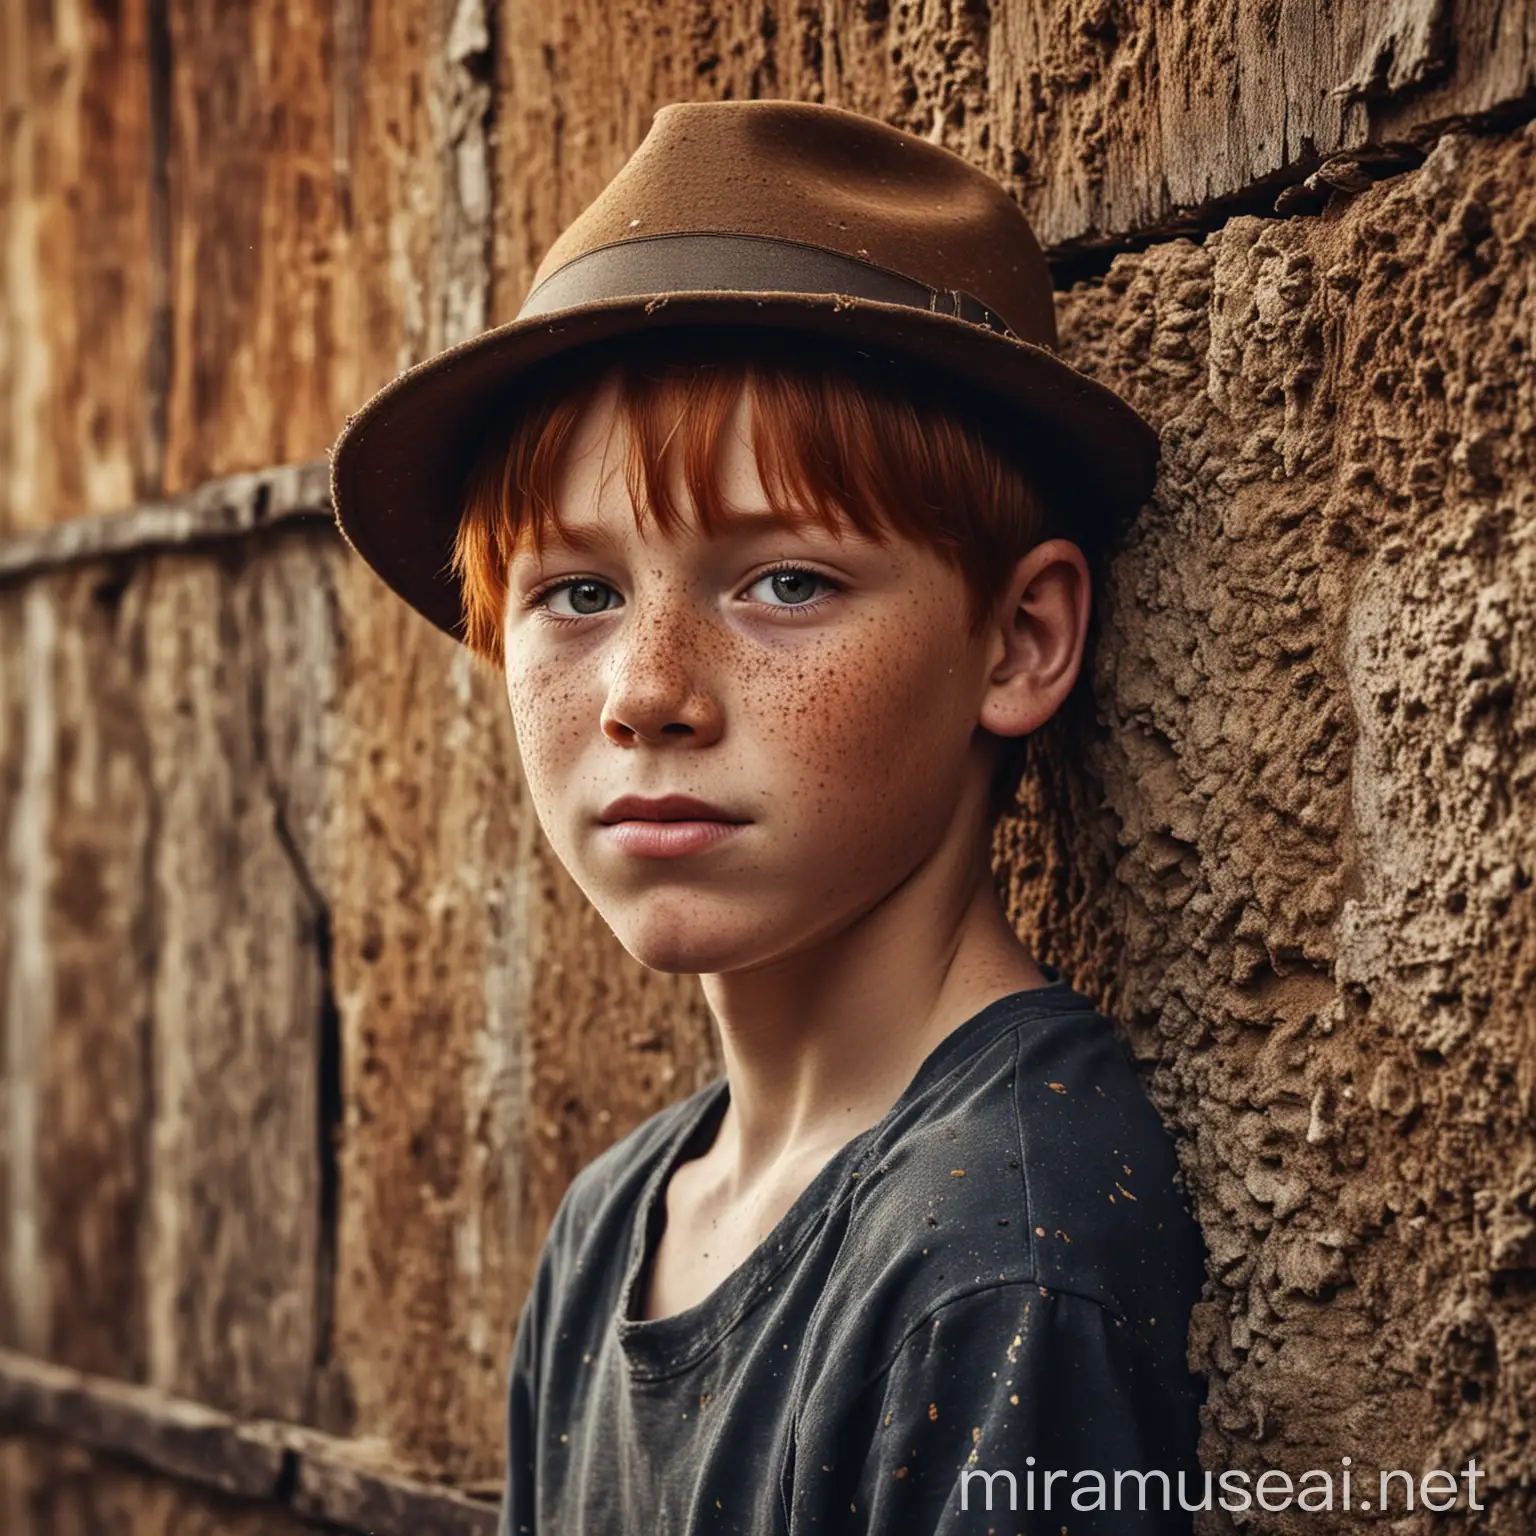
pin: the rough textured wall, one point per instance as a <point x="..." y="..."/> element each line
<point x="270" y="875"/>
<point x="1106" y="116"/>
<point x="1308" y="880"/>
<point x="317" y="209"/>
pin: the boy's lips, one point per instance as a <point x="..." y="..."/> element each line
<point x="664" y="808"/>
<point x="667" y="827"/>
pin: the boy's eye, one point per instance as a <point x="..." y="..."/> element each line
<point x="583" y="597"/>
<point x="788" y="588"/>
<point x="586" y="596"/>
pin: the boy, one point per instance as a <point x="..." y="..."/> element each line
<point x="776" y="508"/>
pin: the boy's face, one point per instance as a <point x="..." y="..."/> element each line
<point x="830" y="712"/>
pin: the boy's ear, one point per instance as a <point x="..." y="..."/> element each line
<point x="1037" y="635"/>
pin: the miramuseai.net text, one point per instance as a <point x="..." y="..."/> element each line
<point x="1320" y="1489"/>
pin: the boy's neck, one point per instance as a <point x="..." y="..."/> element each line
<point x="819" y="1046"/>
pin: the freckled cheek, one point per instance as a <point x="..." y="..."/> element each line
<point x="876" y="730"/>
<point x="844" y="710"/>
<point x="549" y="718"/>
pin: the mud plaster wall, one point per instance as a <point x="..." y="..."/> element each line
<point x="305" y="1032"/>
<point x="1305" y="885"/>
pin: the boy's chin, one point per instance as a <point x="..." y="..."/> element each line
<point x="688" y="944"/>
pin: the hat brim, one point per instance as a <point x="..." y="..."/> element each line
<point x="398" y="469"/>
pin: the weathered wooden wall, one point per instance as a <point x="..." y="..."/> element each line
<point x="305" y="1031"/>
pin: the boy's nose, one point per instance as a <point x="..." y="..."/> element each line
<point x="656" y="692"/>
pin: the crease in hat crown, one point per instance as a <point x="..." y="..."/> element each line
<point x="766" y="213"/>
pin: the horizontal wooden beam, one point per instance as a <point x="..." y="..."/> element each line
<point x="185" y="1439"/>
<point x="308" y="1473"/>
<point x="219" y="509"/>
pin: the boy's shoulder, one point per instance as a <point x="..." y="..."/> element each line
<point x="1037" y="1158"/>
<point x="1025" y="1152"/>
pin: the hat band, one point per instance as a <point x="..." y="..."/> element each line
<point x="658" y="265"/>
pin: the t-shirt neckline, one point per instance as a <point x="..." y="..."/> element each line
<point x="659" y="1347"/>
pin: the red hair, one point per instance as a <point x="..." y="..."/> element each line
<point x="841" y="435"/>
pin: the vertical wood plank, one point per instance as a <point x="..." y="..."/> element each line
<point x="76" y="314"/>
<point x="330" y="215"/>
<point x="93" y="1086"/>
<point x="29" y="984"/>
<point x="240" y="987"/>
<point x="431" y="825"/>
<point x="12" y="737"/>
<point x="252" y="230"/>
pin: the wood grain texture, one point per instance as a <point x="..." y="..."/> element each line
<point x="253" y="232"/>
<point x="77" y="281"/>
<point x="430" y="905"/>
<point x="329" y="216"/>
<point x="239" y="664"/>
<point x="77" y="963"/>
<point x="186" y="1440"/>
<point x="31" y="635"/>
<point x="17" y="1127"/>
<point x="372" y="1503"/>
<point x="218" y="509"/>
<point x="167" y="970"/>
<point x="93" y="1082"/>
<point x="231" y="834"/>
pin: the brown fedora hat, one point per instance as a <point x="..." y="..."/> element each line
<point x="779" y="214"/>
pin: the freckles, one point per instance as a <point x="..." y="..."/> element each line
<point x="546" y="708"/>
<point x="857" y="671"/>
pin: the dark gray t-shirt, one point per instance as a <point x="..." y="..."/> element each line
<point x="1001" y="1269"/>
